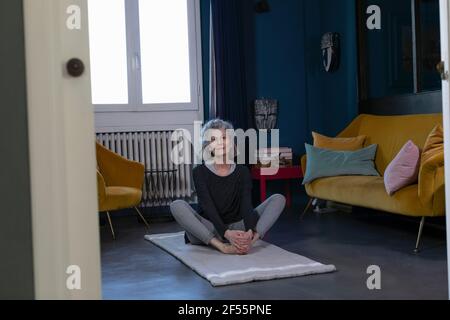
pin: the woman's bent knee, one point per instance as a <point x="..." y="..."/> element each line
<point x="178" y="207"/>
<point x="279" y="198"/>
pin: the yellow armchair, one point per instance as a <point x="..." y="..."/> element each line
<point x="119" y="183"/>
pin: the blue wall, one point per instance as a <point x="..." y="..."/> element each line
<point x="284" y="62"/>
<point x="280" y="67"/>
<point x="332" y="97"/>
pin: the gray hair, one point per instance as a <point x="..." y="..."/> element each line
<point x="216" y="124"/>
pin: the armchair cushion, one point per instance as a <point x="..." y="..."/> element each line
<point x="404" y="169"/>
<point x="121" y="198"/>
<point x="303" y="163"/>
<point x="338" y="144"/>
<point x="328" y="163"/>
<point x="434" y="143"/>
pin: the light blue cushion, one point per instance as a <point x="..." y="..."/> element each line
<point x="323" y="163"/>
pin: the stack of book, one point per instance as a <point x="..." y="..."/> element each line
<point x="267" y="156"/>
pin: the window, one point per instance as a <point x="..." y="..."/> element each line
<point x="144" y="55"/>
<point x="165" y="55"/>
<point x="107" y="34"/>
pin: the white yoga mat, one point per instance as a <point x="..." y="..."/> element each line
<point x="264" y="262"/>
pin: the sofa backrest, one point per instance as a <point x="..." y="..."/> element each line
<point x="391" y="133"/>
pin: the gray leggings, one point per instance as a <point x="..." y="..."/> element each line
<point x="201" y="231"/>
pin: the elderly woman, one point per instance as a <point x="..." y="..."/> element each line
<point x="226" y="220"/>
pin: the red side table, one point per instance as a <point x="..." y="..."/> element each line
<point x="288" y="174"/>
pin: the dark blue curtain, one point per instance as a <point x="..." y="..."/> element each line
<point x="227" y="28"/>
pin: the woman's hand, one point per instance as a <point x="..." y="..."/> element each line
<point x="253" y="238"/>
<point x="240" y="239"/>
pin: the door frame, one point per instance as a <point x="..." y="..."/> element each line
<point x="445" y="53"/>
<point x="62" y="153"/>
<point x="60" y="237"/>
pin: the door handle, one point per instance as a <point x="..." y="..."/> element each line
<point x="440" y="67"/>
<point x="75" y="67"/>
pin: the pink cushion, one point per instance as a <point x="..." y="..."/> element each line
<point x="404" y="169"/>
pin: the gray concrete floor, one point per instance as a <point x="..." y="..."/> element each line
<point x="135" y="269"/>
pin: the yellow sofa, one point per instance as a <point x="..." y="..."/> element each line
<point x="390" y="133"/>
<point x="119" y="183"/>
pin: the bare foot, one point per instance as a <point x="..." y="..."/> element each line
<point x="256" y="237"/>
<point x="229" y="249"/>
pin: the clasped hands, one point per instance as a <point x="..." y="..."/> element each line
<point x="241" y="240"/>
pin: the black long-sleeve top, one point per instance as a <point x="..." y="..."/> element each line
<point x="225" y="200"/>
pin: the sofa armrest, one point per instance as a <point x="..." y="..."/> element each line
<point x="432" y="183"/>
<point x="119" y="171"/>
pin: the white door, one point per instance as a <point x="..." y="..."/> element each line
<point x="445" y="45"/>
<point x="62" y="152"/>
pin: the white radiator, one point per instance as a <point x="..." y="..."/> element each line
<point x="164" y="181"/>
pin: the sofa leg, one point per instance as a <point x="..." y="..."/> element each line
<point x="110" y="225"/>
<point x="419" y="236"/>
<point x="308" y="206"/>
<point x="142" y="217"/>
